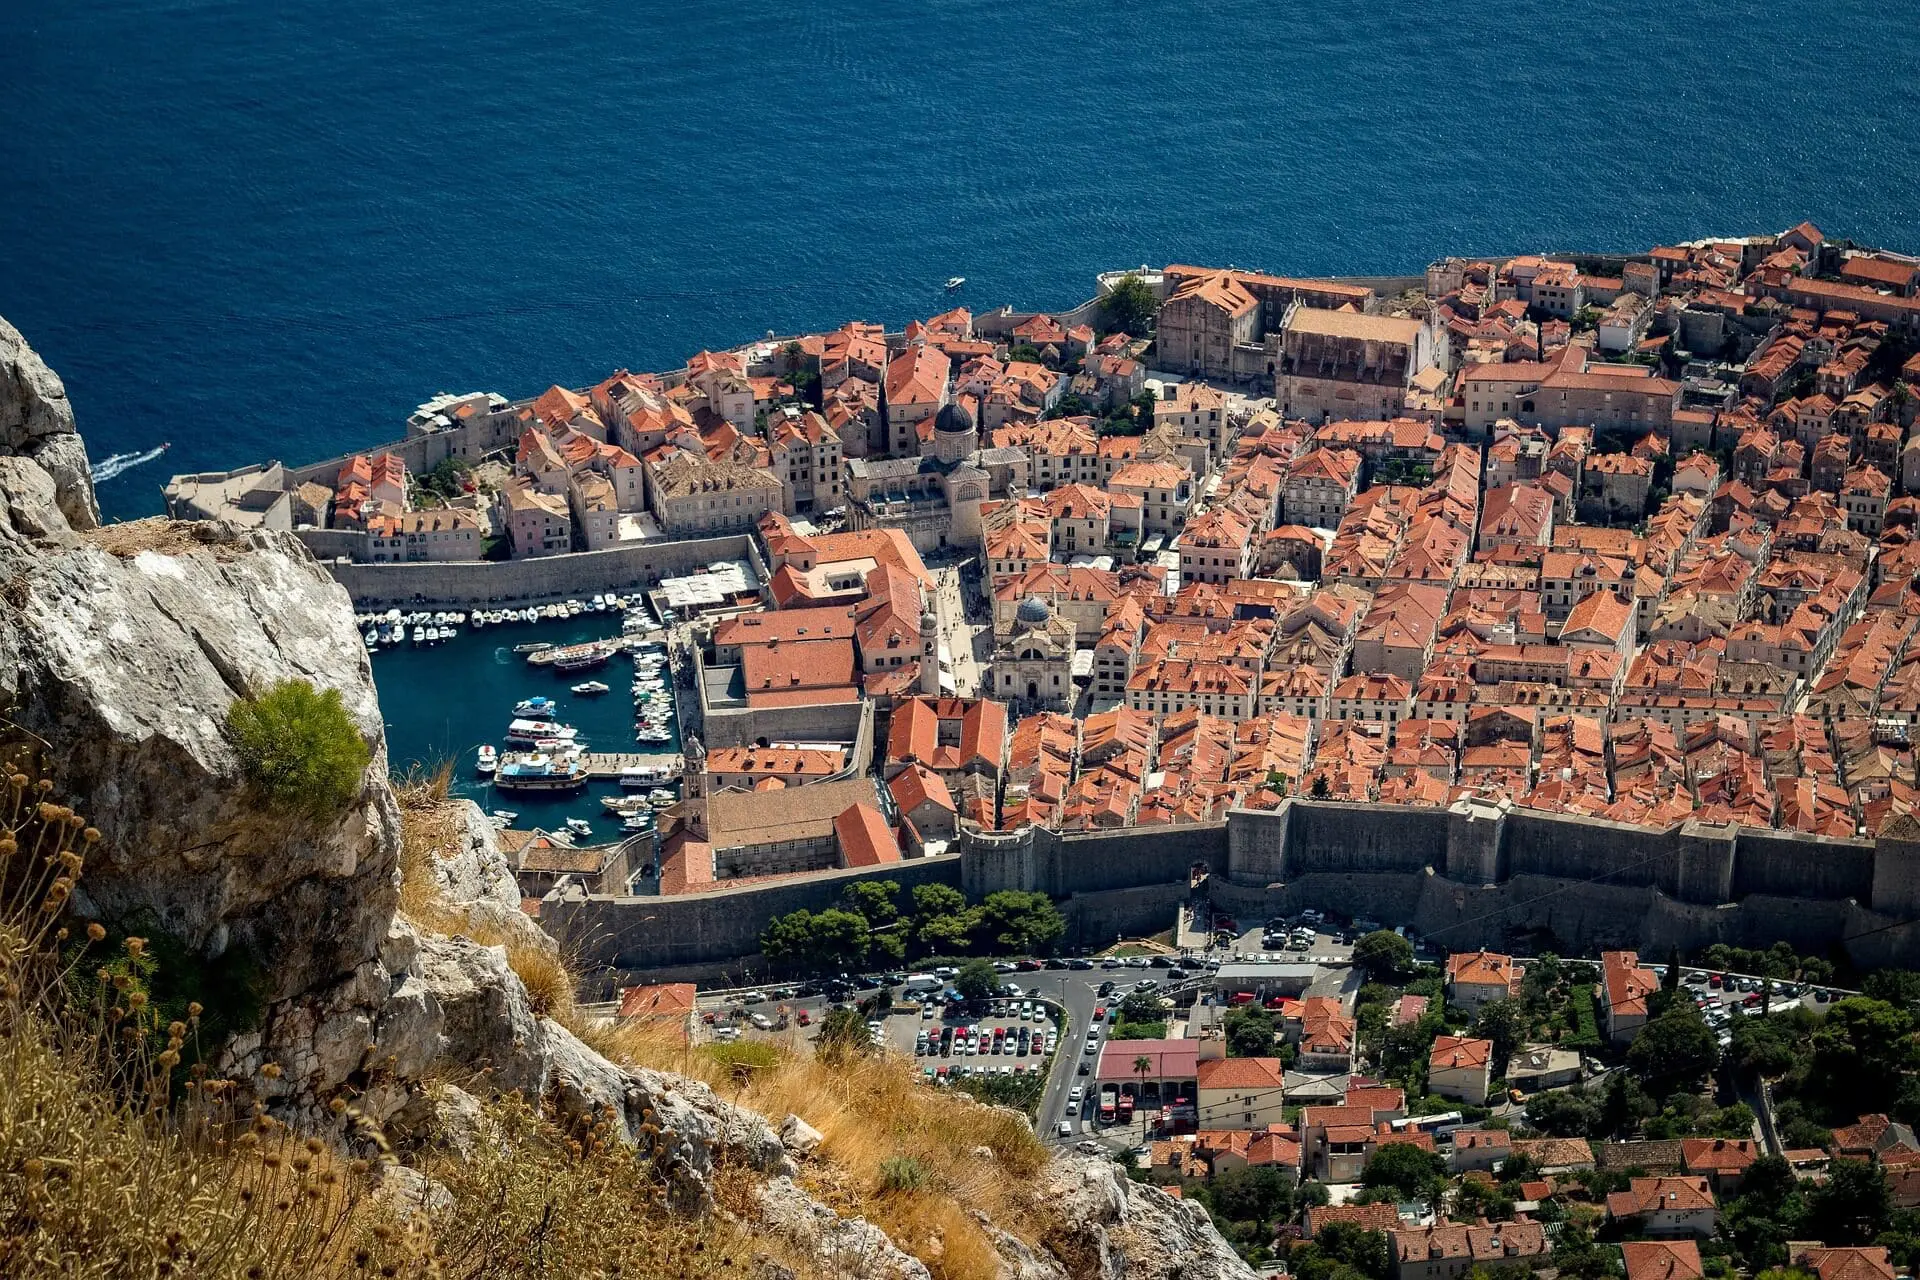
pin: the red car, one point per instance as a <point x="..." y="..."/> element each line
<point x="1100" y="1013"/>
<point x="805" y="1018"/>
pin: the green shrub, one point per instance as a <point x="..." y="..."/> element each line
<point x="902" y="1174"/>
<point x="299" y="748"/>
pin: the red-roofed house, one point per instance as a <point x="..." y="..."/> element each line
<point x="865" y="838"/>
<point x="1461" y="1068"/>
<point x="925" y="804"/>
<point x="1240" y="1093"/>
<point x="1475" y="978"/>
<point x="1661" y="1259"/>
<point x="1723" y="1160"/>
<point x="1624" y="987"/>
<point x="1680" y="1206"/>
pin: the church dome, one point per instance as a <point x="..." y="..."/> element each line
<point x="1033" y="611"/>
<point x="953" y="419"/>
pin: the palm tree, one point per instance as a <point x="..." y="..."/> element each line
<point x="1141" y="1066"/>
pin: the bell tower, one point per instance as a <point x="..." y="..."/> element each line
<point x="929" y="653"/>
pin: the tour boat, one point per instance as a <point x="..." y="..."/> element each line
<point x="623" y="805"/>
<point x="521" y="732"/>
<point x="536" y="708"/>
<point x="580" y="826"/>
<point x="486" y="759"/>
<point x="954" y="282"/>
<point x="539" y="773"/>
<point x="645" y="776"/>
<point x="590" y="688"/>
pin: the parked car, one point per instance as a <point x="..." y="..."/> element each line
<point x="1064" y="1129"/>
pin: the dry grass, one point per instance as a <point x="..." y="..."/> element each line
<point x="107" y="1170"/>
<point x="129" y="538"/>
<point x="874" y="1115"/>
<point x="873" y="1112"/>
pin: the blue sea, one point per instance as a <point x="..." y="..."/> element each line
<point x="259" y="230"/>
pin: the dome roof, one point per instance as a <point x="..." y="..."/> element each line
<point x="953" y="419"/>
<point x="1033" y="610"/>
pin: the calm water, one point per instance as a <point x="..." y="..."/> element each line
<point x="440" y="703"/>
<point x="268" y="229"/>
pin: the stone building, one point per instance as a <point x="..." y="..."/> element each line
<point x="1033" y="664"/>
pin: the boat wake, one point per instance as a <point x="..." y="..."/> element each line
<point x="121" y="463"/>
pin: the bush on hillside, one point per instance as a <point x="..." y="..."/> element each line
<point x="299" y="748"/>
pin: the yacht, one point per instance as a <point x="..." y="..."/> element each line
<point x="580" y="826"/>
<point x="536" y="708"/>
<point x="954" y="282"/>
<point x="486" y="759"/>
<point x="590" y="688"/>
<point x="522" y="732"/>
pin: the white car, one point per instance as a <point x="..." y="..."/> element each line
<point x="1064" y="1129"/>
<point x="1076" y="1093"/>
<point x="761" y="1021"/>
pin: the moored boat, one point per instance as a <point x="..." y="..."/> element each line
<point x="486" y="760"/>
<point x="522" y="732"/>
<point x="539" y="772"/>
<point x="590" y="688"/>
<point x="537" y="708"/>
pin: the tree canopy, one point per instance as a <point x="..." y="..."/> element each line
<point x="1674" y="1051"/>
<point x="1384" y="954"/>
<point x="1249" y="1032"/>
<point x="1130" y="306"/>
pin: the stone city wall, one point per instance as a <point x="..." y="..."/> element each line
<point x="642" y="934"/>
<point x="482" y="582"/>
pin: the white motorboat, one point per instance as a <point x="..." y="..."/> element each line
<point x="954" y="282"/>
<point x="580" y="826"/>
<point x="522" y="732"/>
<point x="590" y="688"/>
<point x="505" y="815"/>
<point x="419" y="635"/>
<point x="537" y="708"/>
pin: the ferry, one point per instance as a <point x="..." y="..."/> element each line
<point x="535" y="708"/>
<point x="487" y="760"/>
<point x="539" y="773"/>
<point x="588" y="661"/>
<point x="522" y="732"/>
<point x="590" y="688"/>
<point x="954" y="282"/>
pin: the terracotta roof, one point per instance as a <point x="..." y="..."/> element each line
<point x="1661" y="1259"/>
<point x="1460" y="1052"/>
<point x="1240" y="1073"/>
<point x="865" y="838"/>
<point x="673" y="999"/>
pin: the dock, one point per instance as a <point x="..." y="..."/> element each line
<point x="605" y="766"/>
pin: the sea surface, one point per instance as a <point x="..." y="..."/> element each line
<point x="440" y="702"/>
<point x="269" y="230"/>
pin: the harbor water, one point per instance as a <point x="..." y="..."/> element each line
<point x="441" y="702"/>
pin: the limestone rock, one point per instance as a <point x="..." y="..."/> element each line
<point x="476" y="878"/>
<point x="37" y="422"/>
<point x="444" y="1116"/>
<point x="30" y="503"/>
<point x="838" y="1246"/>
<point x="1017" y="1261"/>
<point x="406" y="1192"/>
<point x="1112" y="1227"/>
<point x="486" y="1021"/>
<point x="799" y="1137"/>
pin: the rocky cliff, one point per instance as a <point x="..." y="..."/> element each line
<point x="121" y="649"/>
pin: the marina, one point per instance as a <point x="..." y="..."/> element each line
<point x="446" y="700"/>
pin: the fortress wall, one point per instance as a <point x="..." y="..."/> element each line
<point x="641" y="934"/>
<point x="1802" y="867"/>
<point x="1325" y="836"/>
<point x="1142" y="856"/>
<point x="1553" y="845"/>
<point x="1096" y="920"/>
<point x="480" y="582"/>
<point x="1390" y="897"/>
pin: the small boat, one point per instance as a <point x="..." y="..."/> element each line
<point x="641" y="821"/>
<point x="372" y="638"/>
<point x="538" y="646"/>
<point x="623" y="805"/>
<point x="590" y="688"/>
<point x="505" y="815"/>
<point x="954" y="282"/>
<point x="580" y="826"/>
<point x="419" y="635"/>
<point x="536" y="708"/>
<point x="486" y="759"/>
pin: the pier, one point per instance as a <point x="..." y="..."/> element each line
<point x="604" y="766"/>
